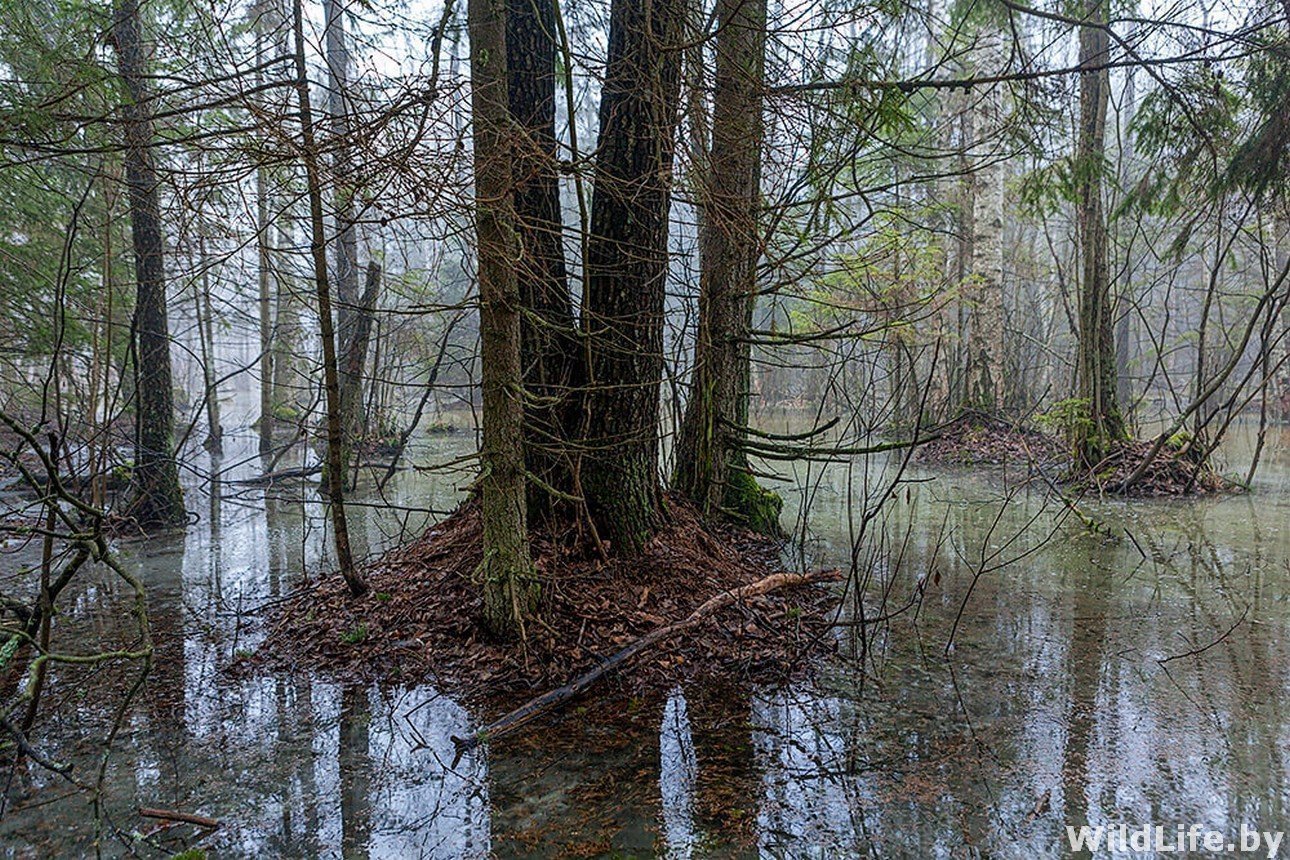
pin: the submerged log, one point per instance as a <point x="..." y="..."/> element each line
<point x="556" y="698"/>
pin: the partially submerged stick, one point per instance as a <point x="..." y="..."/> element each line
<point x="175" y="815"/>
<point x="555" y="698"/>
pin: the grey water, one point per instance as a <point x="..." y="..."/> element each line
<point x="1089" y="679"/>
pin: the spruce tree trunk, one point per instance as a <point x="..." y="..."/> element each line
<point x="711" y="468"/>
<point x="548" y="343"/>
<point x="1095" y="362"/>
<point x="627" y="270"/>
<point x="510" y="581"/>
<point x="158" y="501"/>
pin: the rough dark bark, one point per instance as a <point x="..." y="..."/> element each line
<point x="1096" y="371"/>
<point x="548" y="343"/>
<point x="158" y="500"/>
<point x="711" y="468"/>
<point x="627" y="269"/>
<point x="510" y="580"/>
<point x="335" y="470"/>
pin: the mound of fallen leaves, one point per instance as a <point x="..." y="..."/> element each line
<point x="420" y="619"/>
<point x="1171" y="472"/>
<point x="976" y="438"/>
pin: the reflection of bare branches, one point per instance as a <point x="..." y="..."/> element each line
<point x="992" y="559"/>
<point x="69" y="528"/>
<point x="1194" y="652"/>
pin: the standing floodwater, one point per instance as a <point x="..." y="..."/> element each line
<point x="1093" y="681"/>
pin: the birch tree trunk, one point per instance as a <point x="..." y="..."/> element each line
<point x="986" y="334"/>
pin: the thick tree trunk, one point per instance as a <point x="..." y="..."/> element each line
<point x="627" y="269"/>
<point x="158" y="501"/>
<point x="335" y="462"/>
<point x="510" y="581"/>
<point x="711" y="468"/>
<point x="1095" y="362"/>
<point x="548" y="343"/>
<point x="985" y="337"/>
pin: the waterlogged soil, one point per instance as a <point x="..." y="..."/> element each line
<point x="1025" y="675"/>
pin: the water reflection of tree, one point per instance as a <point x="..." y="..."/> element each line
<point x="1090" y="588"/>
<point x="355" y="772"/>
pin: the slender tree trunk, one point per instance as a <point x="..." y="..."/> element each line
<point x="355" y="356"/>
<point x="627" y="269"/>
<point x="548" y="343"/>
<point x="206" y="342"/>
<point x="964" y="223"/>
<point x="510" y="581"/>
<point x="265" y="280"/>
<point x="985" y="356"/>
<point x="286" y="343"/>
<point x="1124" y="323"/>
<point x="1095" y="365"/>
<point x="346" y="242"/>
<point x="711" y="468"/>
<point x="159" y="501"/>
<point x="1281" y="256"/>
<point x="335" y="462"/>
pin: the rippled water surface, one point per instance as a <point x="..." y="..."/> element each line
<point x="1089" y="680"/>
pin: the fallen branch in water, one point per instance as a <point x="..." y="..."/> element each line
<point x="555" y="698"/>
<point x="283" y="474"/>
<point x="183" y="817"/>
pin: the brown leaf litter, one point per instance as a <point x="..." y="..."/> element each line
<point x="420" y="619"/>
